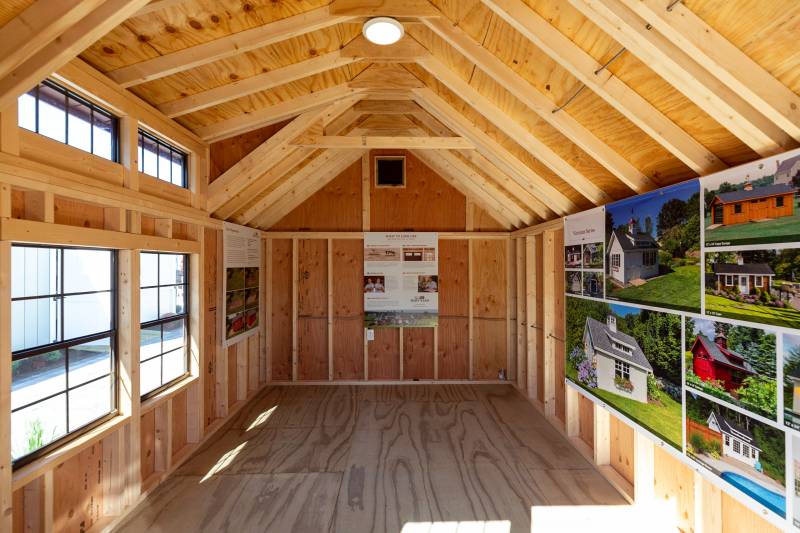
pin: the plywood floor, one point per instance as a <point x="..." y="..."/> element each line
<point x="374" y="458"/>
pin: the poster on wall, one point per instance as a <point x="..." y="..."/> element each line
<point x="696" y="337"/>
<point x="401" y="279"/>
<point x="631" y="359"/>
<point x="242" y="260"/>
<point x="653" y="248"/>
<point x="584" y="253"/>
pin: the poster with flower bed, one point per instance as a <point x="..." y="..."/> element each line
<point x="242" y="260"/>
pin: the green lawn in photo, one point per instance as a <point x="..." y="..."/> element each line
<point x="680" y="289"/>
<point x="781" y="229"/>
<point x="719" y="306"/>
<point x="663" y="420"/>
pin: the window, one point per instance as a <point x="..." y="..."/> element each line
<point x="649" y="258"/>
<point x="63" y="369"/>
<point x="56" y="112"/>
<point x="737" y="208"/>
<point x="390" y="171"/>
<point x="737" y="446"/>
<point x="161" y="160"/>
<point x="728" y="280"/>
<point x="621" y="347"/>
<point x="163" y="348"/>
<point x="746" y="450"/>
<point x="758" y="281"/>
<point x="779" y="201"/>
<point x="615" y="260"/>
<point x="727" y="440"/>
<point x="622" y="369"/>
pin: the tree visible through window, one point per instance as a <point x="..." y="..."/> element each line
<point x="163" y="350"/>
<point x="63" y="340"/>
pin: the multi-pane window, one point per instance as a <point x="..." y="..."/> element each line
<point x="615" y="260"/>
<point x="779" y="201"/>
<point x="163" y="351"/>
<point x="161" y="160"/>
<point x="649" y="258"/>
<point x="622" y="369"/>
<point x="56" y="112"/>
<point x="63" y="341"/>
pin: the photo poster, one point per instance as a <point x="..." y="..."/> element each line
<point x="401" y="279"/>
<point x="242" y="261"/>
<point x="695" y="336"/>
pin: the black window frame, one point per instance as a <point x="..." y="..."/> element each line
<point x="166" y="320"/>
<point x="94" y="108"/>
<point x="161" y="143"/>
<point x="378" y="184"/>
<point x="110" y="334"/>
<point x="779" y="201"/>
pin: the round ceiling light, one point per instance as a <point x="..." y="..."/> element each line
<point x="383" y="30"/>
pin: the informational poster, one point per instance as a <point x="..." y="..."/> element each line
<point x="242" y="261"/>
<point x="401" y="279"/>
<point x="696" y="336"/>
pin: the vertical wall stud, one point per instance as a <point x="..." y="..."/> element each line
<point x="471" y="312"/>
<point x="9" y="130"/>
<point x="573" y="422"/>
<point x="511" y="308"/>
<point x="602" y="435"/>
<point x="266" y="300"/>
<point x="129" y="151"/>
<point x="330" y="309"/>
<point x="644" y="468"/>
<point x="522" y="323"/>
<point x="549" y="321"/>
<point x="707" y="506"/>
<point x="295" y="282"/>
<point x="366" y="185"/>
<point x="531" y="317"/>
<point x="5" y="387"/>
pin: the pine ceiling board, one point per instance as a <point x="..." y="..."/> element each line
<point x="443" y="51"/>
<point x="484" y="125"/>
<point x="242" y="66"/>
<point x="187" y="24"/>
<point x="263" y="99"/>
<point x="765" y="31"/>
<point x="9" y="9"/>
<point x="644" y="81"/>
<point x="457" y="10"/>
<point x="608" y="125"/>
<point x="540" y="129"/>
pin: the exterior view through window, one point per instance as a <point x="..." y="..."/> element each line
<point x="161" y="160"/>
<point x="64" y="116"/>
<point x="163" y="349"/>
<point x="63" y="342"/>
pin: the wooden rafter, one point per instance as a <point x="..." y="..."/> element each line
<point x="387" y="107"/>
<point x="382" y="75"/>
<point x="60" y="51"/>
<point x="338" y="142"/>
<point x="494" y="151"/>
<point x="724" y="60"/>
<point x="683" y="73"/>
<point x="254" y="84"/>
<point x="484" y="197"/>
<point x="36" y="27"/>
<point x="514" y="130"/>
<point x="157" y="5"/>
<point x="406" y="50"/>
<point x="230" y="45"/>
<point x="610" y="88"/>
<point x="384" y="8"/>
<point x="540" y="104"/>
<point x="276" y="113"/>
<point x="257" y="162"/>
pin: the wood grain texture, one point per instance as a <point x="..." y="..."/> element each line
<point x="372" y="459"/>
<point x="453" y="349"/>
<point x="558" y="308"/>
<point x="312" y="349"/>
<point x="348" y="348"/>
<point x="78" y="491"/>
<point x="148" y="447"/>
<point x="409" y="207"/>
<point x="281" y="294"/>
<point x="622" y="449"/>
<point x="348" y="273"/>
<point x="383" y="354"/>
<point x="490" y="343"/>
<point x="312" y="276"/>
<point x="418" y="353"/>
<point x="489" y="283"/>
<point x="586" y="421"/>
<point x="453" y="278"/>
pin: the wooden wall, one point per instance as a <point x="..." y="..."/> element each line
<point x="471" y="341"/>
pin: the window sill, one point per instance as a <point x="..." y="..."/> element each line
<point x="31" y="471"/>
<point x="176" y="388"/>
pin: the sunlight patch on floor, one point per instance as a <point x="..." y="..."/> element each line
<point x="476" y="526"/>
<point x="224" y="462"/>
<point x="656" y="517"/>
<point x="261" y="418"/>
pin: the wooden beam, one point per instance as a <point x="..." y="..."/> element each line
<point x="69" y="44"/>
<point x="259" y="161"/>
<point x="366" y="187"/>
<point x="406" y="50"/>
<point x="387" y="107"/>
<point x="36" y="27"/>
<point x="384" y="8"/>
<point x="540" y="104"/>
<point x="304" y="184"/>
<point x="254" y="84"/>
<point x="494" y="151"/>
<point x="683" y="73"/>
<point x="484" y="196"/>
<point x="276" y="113"/>
<point x="230" y="45"/>
<point x="406" y="142"/>
<point x="6" y="491"/>
<point x="621" y="97"/>
<point x="157" y="5"/>
<point x="383" y="75"/>
<point x="723" y="59"/>
<point x="515" y="131"/>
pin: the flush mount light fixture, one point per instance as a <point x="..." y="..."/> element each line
<point x="383" y="30"/>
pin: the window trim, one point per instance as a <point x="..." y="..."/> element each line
<point x="143" y="133"/>
<point x="111" y="334"/>
<point x="185" y="316"/>
<point x="390" y="158"/>
<point x="93" y="108"/>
